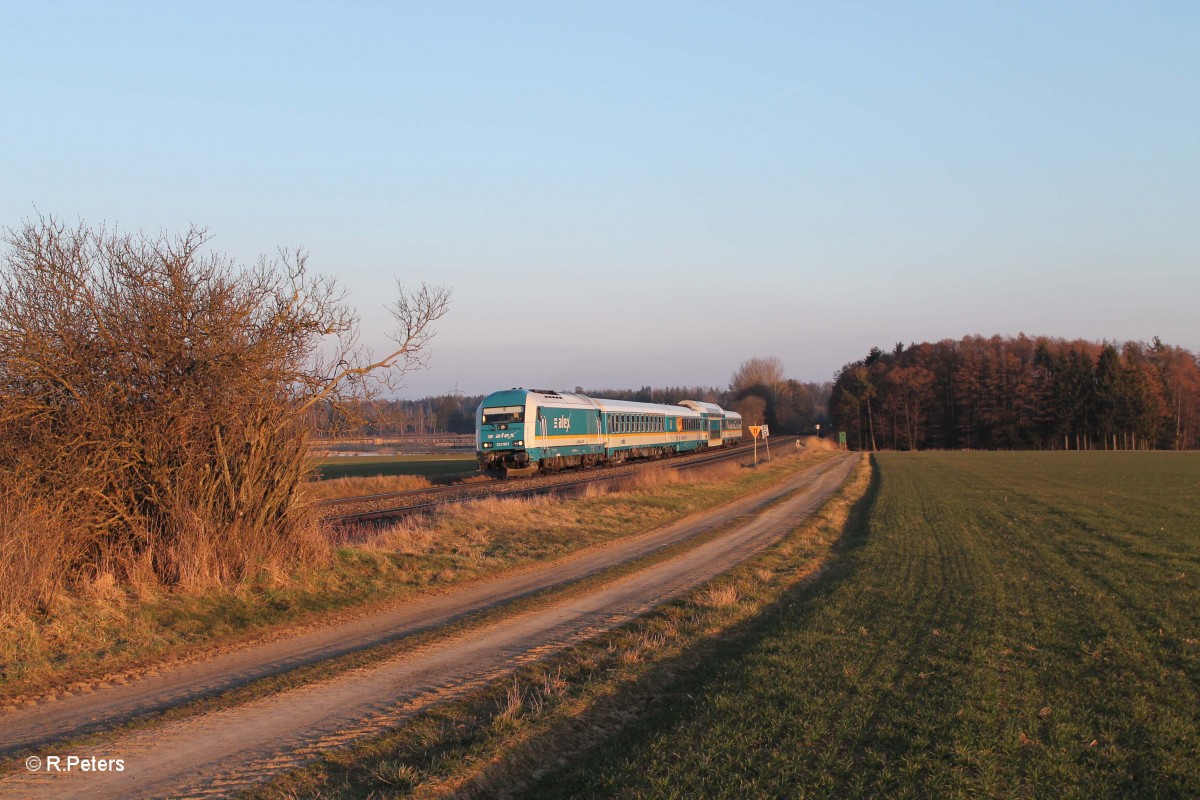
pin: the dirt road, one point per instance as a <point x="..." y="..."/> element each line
<point x="218" y="752"/>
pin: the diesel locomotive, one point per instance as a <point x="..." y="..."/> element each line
<point x="523" y="431"/>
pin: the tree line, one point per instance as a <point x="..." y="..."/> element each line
<point x="1020" y="393"/>
<point x="758" y="390"/>
<point x="446" y="413"/>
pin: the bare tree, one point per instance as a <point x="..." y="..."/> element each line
<point x="755" y="373"/>
<point x="762" y="378"/>
<point x="752" y="408"/>
<point x="155" y="394"/>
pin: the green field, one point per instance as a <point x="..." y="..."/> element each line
<point x="1001" y="625"/>
<point x="429" y="466"/>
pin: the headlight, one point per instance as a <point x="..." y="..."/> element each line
<point x="519" y="443"/>
<point x="486" y="445"/>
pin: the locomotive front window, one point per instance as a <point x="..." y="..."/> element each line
<point x="503" y="414"/>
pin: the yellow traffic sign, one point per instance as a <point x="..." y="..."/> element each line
<point x="754" y="429"/>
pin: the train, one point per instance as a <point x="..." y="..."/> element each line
<point x="525" y="431"/>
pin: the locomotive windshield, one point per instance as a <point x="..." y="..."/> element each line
<point x="503" y="414"/>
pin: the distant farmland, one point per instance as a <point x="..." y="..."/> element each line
<point x="427" y="465"/>
<point x="1002" y="625"/>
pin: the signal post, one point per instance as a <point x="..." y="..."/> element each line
<point x="765" y="432"/>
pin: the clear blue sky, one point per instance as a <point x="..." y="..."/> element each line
<point x="630" y="194"/>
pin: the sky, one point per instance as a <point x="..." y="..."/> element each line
<point x="630" y="194"/>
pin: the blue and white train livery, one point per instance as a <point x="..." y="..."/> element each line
<point x="522" y="431"/>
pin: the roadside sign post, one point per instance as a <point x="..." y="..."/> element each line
<point x="754" y="430"/>
<point x="766" y="434"/>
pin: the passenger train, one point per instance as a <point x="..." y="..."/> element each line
<point x="523" y="431"/>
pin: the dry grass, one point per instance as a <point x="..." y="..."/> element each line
<point x="722" y="596"/>
<point x="659" y="475"/>
<point x="34" y="543"/>
<point x="512" y="704"/>
<point x="481" y="530"/>
<point x="356" y="487"/>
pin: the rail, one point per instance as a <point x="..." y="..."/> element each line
<point x="539" y="485"/>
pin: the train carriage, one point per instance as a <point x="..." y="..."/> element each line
<point x="723" y="427"/>
<point x="648" y="430"/>
<point x="731" y="431"/>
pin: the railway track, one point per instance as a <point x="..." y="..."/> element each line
<point x="367" y="508"/>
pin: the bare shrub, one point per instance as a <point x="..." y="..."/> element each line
<point x="158" y="392"/>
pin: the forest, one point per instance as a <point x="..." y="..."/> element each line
<point x="1005" y="393"/>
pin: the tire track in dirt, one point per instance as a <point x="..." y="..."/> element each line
<point x="216" y="753"/>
